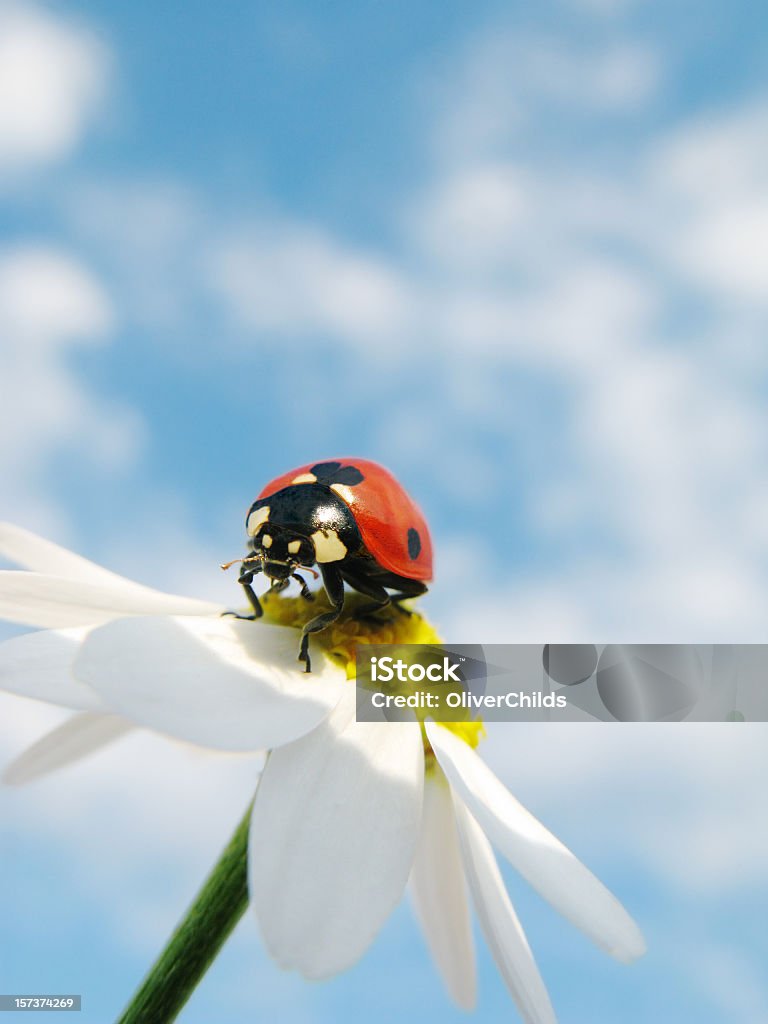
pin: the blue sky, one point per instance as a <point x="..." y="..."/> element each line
<point x="516" y="253"/>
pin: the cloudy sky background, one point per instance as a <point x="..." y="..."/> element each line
<point x="521" y="257"/>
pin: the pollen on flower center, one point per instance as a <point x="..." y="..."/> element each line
<point x="341" y="640"/>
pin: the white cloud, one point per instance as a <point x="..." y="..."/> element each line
<point x="151" y="233"/>
<point x="716" y="155"/>
<point x="729" y="978"/>
<point x="48" y="298"/>
<point x="616" y="78"/>
<point x="505" y="81"/>
<point x="585" y="601"/>
<point x="728" y="249"/>
<point x="53" y="75"/>
<point x="711" y="178"/>
<point x="288" y="280"/>
<point x="471" y="218"/>
<point x="50" y="306"/>
<point x="53" y="79"/>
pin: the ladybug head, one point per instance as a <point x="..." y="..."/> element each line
<point x="281" y="551"/>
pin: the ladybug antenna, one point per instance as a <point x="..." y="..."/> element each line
<point x="250" y="558"/>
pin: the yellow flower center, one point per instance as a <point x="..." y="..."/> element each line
<point x="340" y="641"/>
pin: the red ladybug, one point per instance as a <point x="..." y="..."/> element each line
<point x="352" y="518"/>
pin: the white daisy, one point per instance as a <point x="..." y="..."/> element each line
<point x="345" y="812"/>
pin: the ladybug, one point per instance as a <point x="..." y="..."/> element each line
<point x="352" y="519"/>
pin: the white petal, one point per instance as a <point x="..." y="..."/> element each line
<point x="32" y="552"/>
<point x="35" y="599"/>
<point x="78" y="737"/>
<point x="543" y="860"/>
<point x="334" y="830"/>
<point x="439" y="893"/>
<point x="500" y="924"/>
<point x="217" y="682"/>
<point x="27" y="549"/>
<point x="39" y="665"/>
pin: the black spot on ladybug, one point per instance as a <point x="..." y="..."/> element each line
<point x="414" y="543"/>
<point x="334" y="473"/>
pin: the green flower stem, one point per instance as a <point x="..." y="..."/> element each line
<point x="194" y="945"/>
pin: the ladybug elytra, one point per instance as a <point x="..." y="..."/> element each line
<point x="352" y="519"/>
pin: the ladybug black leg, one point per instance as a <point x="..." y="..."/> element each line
<point x="245" y="579"/>
<point x="405" y="588"/>
<point x="370" y="589"/>
<point x="306" y="593"/>
<point x="415" y="591"/>
<point x="373" y="584"/>
<point x="334" y="587"/>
